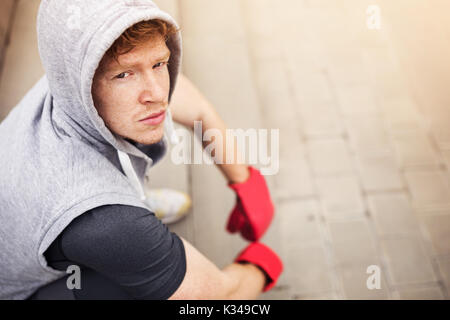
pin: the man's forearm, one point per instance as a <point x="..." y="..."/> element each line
<point x="189" y="105"/>
<point x="248" y="280"/>
<point x="235" y="172"/>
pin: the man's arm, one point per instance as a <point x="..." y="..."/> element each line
<point x="189" y="105"/>
<point x="254" y="209"/>
<point x="132" y="248"/>
<point x="205" y="281"/>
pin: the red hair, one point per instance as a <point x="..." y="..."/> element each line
<point x="140" y="33"/>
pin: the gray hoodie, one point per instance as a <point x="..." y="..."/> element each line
<point x="58" y="159"/>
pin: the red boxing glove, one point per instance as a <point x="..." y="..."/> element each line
<point x="254" y="209"/>
<point x="263" y="257"/>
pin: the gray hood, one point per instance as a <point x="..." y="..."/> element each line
<point x="58" y="158"/>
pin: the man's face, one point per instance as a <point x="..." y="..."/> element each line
<point x="132" y="96"/>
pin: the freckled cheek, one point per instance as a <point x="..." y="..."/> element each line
<point x="123" y="104"/>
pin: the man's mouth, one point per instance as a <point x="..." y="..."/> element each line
<point x="155" y="118"/>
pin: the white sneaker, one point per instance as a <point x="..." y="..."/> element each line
<point x="168" y="205"/>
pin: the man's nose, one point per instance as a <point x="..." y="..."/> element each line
<point x="152" y="90"/>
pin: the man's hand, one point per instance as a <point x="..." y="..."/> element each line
<point x="254" y="209"/>
<point x="256" y="269"/>
<point x="267" y="260"/>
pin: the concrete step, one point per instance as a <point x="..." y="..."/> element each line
<point x="22" y="65"/>
<point x="6" y="15"/>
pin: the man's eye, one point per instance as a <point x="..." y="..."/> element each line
<point x="160" y="64"/>
<point x="123" y="75"/>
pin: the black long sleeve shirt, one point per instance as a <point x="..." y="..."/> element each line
<point x="124" y="252"/>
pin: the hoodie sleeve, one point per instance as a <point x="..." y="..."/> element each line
<point x="130" y="247"/>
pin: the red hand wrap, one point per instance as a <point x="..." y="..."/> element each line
<point x="254" y="209"/>
<point x="265" y="258"/>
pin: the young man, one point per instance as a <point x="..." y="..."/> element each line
<point x="74" y="152"/>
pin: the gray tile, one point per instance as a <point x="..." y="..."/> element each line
<point x="415" y="150"/>
<point x="441" y="133"/>
<point x="320" y="119"/>
<point x="401" y="114"/>
<point x="310" y="271"/>
<point x="428" y="293"/>
<point x="341" y="197"/>
<point x="346" y="67"/>
<point x="371" y="40"/>
<point x="304" y="58"/>
<point x="393" y="214"/>
<point x="352" y="242"/>
<point x="314" y="87"/>
<point x="299" y="223"/>
<point x="444" y="269"/>
<point x="438" y="228"/>
<point x="354" y="283"/>
<point x="227" y="80"/>
<point x="367" y="134"/>
<point x="276" y="293"/>
<point x="215" y="21"/>
<point x="273" y="89"/>
<point x="430" y="189"/>
<point x="446" y="155"/>
<point x="316" y="296"/>
<point x="355" y="99"/>
<point x="407" y="260"/>
<point x="388" y="85"/>
<point x="329" y="157"/>
<point x="379" y="172"/>
<point x="294" y="176"/>
<point x="212" y="204"/>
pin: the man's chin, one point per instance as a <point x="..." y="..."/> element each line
<point x="152" y="137"/>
